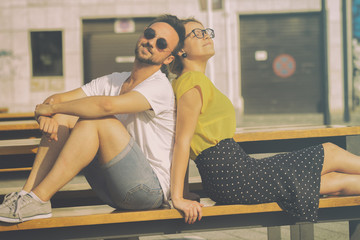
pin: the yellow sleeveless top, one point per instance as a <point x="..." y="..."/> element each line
<point x="217" y="117"/>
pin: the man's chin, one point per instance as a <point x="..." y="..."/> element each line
<point x="145" y="61"/>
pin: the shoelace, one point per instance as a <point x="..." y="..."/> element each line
<point x="21" y="202"/>
<point x="11" y="201"/>
<point x="10" y="198"/>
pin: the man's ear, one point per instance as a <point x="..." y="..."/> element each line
<point x="169" y="59"/>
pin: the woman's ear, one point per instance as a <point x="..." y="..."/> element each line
<point x="180" y="53"/>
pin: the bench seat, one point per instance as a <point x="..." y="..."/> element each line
<point x="19" y="146"/>
<point x="104" y="214"/>
<point x="4" y="116"/>
<point x="76" y="218"/>
<point x="18" y="125"/>
<point x="29" y="146"/>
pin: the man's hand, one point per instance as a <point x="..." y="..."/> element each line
<point x="44" y="110"/>
<point x="49" y="127"/>
<point x="192" y="210"/>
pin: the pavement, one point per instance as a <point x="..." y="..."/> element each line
<point x="322" y="231"/>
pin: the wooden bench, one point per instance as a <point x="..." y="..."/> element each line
<point x="19" y="129"/>
<point x="100" y="221"/>
<point x="4" y="116"/>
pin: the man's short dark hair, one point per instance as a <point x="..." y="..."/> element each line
<point x="177" y="25"/>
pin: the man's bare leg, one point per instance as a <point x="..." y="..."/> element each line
<point x="48" y="151"/>
<point x="107" y="135"/>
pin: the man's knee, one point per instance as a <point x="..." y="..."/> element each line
<point x="68" y="121"/>
<point x="101" y="123"/>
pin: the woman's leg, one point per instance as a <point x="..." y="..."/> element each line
<point x="335" y="183"/>
<point x="337" y="159"/>
<point x="341" y="172"/>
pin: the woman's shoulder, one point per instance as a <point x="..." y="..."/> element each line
<point x="190" y="78"/>
<point x="193" y="74"/>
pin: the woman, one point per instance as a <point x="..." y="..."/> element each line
<point x="205" y="130"/>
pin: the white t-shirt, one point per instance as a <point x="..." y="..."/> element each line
<point x="154" y="129"/>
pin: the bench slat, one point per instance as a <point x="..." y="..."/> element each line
<point x="19" y="146"/>
<point x="246" y="135"/>
<point x="28" y="146"/>
<point x="103" y="214"/>
<point x="18" y="125"/>
<point x="16" y="115"/>
<point x="23" y="169"/>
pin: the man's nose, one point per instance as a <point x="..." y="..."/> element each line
<point x="151" y="42"/>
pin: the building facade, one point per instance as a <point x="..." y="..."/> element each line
<point x="269" y="53"/>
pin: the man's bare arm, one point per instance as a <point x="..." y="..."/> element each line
<point x="97" y="106"/>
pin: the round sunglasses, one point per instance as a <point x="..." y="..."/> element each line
<point x="161" y="43"/>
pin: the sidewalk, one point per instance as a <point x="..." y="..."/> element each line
<point x="322" y="231"/>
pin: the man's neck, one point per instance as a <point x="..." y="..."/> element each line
<point x="142" y="71"/>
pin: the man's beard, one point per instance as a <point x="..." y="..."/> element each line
<point x="144" y="60"/>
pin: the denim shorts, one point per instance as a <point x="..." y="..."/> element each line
<point x="127" y="181"/>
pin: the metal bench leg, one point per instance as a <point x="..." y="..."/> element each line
<point x="274" y="233"/>
<point x="354" y="230"/>
<point x="303" y="231"/>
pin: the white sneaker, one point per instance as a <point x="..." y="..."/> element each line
<point x="25" y="208"/>
<point x="10" y="197"/>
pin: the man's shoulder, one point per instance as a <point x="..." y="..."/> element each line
<point x="156" y="85"/>
<point x="114" y="79"/>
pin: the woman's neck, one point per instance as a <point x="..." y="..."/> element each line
<point x="198" y="66"/>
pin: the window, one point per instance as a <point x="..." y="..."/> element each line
<point x="47" y="57"/>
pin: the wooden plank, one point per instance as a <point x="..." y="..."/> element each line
<point x="242" y="134"/>
<point x="23" y="169"/>
<point x="19" y="146"/>
<point x="103" y="214"/>
<point x="16" y="115"/>
<point x="28" y="146"/>
<point x="247" y="135"/>
<point x="18" y="125"/>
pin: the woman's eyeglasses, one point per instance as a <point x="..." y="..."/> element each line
<point x="200" y="33"/>
<point x="161" y="43"/>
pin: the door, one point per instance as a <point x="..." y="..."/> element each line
<point x="109" y="45"/>
<point x="281" y="70"/>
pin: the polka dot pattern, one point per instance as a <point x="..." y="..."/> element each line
<point x="230" y="176"/>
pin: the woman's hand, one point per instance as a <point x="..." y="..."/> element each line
<point x="49" y="127"/>
<point x="192" y="210"/>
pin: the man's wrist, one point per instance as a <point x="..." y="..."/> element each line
<point x="54" y="108"/>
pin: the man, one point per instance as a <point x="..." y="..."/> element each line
<point x="126" y="162"/>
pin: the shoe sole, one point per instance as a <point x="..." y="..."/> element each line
<point x="16" y="220"/>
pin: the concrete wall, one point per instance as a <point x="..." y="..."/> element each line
<point x="21" y="92"/>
